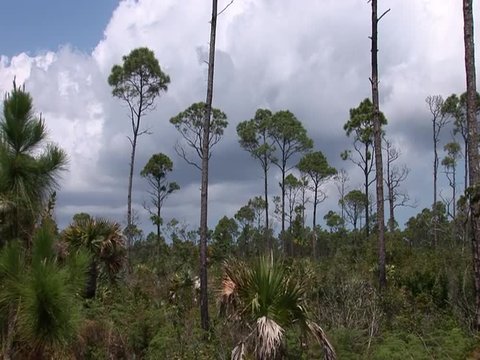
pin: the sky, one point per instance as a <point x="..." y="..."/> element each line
<point x="312" y="58"/>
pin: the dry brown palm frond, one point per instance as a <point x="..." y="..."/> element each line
<point x="320" y="336"/>
<point x="270" y="338"/>
<point x="238" y="352"/>
<point x="227" y="295"/>
<point x="228" y="288"/>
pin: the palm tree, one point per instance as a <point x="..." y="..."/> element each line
<point x="29" y="166"/>
<point x="39" y="306"/>
<point x="264" y="300"/>
<point x="104" y="240"/>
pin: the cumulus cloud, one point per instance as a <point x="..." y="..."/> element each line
<point x="312" y="58"/>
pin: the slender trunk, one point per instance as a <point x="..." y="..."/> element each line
<point x="343" y="203"/>
<point x="367" y="217"/>
<point x="465" y="177"/>
<point x="285" y="247"/>
<point x="454" y="197"/>
<point x="391" y="196"/>
<point x="391" y="204"/>
<point x="473" y="159"/>
<point x="435" y="171"/>
<point x="159" y="208"/>
<point x="283" y="169"/>
<point x="466" y="222"/>
<point x="304" y="203"/>
<point x="204" y="186"/>
<point x="265" y="177"/>
<point x="158" y="222"/>
<point x="92" y="276"/>
<point x="378" y="152"/>
<point x="129" y="196"/>
<point x="314" y="238"/>
<point x="355" y="217"/>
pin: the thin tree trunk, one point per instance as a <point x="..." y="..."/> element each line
<point x="158" y="221"/>
<point x="355" y="217"/>
<point x="466" y="165"/>
<point x="435" y="172"/>
<point x="159" y="208"/>
<point x="267" y="234"/>
<point x="367" y="217"/>
<point x="454" y="193"/>
<point x="204" y="187"/>
<point x="285" y="244"/>
<point x="473" y="159"/>
<point x="92" y="276"/>
<point x="466" y="222"/>
<point x="391" y="204"/>
<point x="391" y="200"/>
<point x="129" y="196"/>
<point x="314" y="238"/>
<point x="378" y="152"/>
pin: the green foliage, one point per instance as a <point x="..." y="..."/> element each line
<point x="252" y="235"/>
<point x="361" y="122"/>
<point x="224" y="238"/>
<point x="419" y="229"/>
<point x="39" y="302"/>
<point x="105" y="243"/>
<point x="139" y="80"/>
<point x="158" y="166"/>
<point x="333" y="220"/>
<point x="456" y="107"/>
<point x="29" y="166"/>
<point x="156" y="171"/>
<point x="316" y="166"/>
<point x="440" y="344"/>
<point x="151" y="311"/>
<point x="289" y="137"/>
<point x="190" y="123"/>
<point x="354" y="204"/>
<point x="253" y="136"/>
<point x="264" y="297"/>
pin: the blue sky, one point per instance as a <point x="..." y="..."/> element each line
<point x="33" y="26"/>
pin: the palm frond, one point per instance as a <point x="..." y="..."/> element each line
<point x="269" y="338"/>
<point x="238" y="352"/>
<point x="102" y="238"/>
<point x="266" y="297"/>
<point x="320" y="336"/>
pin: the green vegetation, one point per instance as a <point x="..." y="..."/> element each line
<point x="297" y="292"/>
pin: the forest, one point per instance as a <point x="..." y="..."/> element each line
<point x="284" y="277"/>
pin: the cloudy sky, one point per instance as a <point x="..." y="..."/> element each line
<point x="311" y="57"/>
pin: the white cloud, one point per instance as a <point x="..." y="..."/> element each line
<point x="311" y="58"/>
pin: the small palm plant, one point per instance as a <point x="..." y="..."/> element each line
<point x="264" y="300"/>
<point x="104" y="240"/>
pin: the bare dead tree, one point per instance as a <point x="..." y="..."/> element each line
<point x="394" y="177"/>
<point x="205" y="322"/>
<point x="377" y="141"/>
<point x="439" y="120"/>
<point x="473" y="156"/>
<point x="341" y="180"/>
